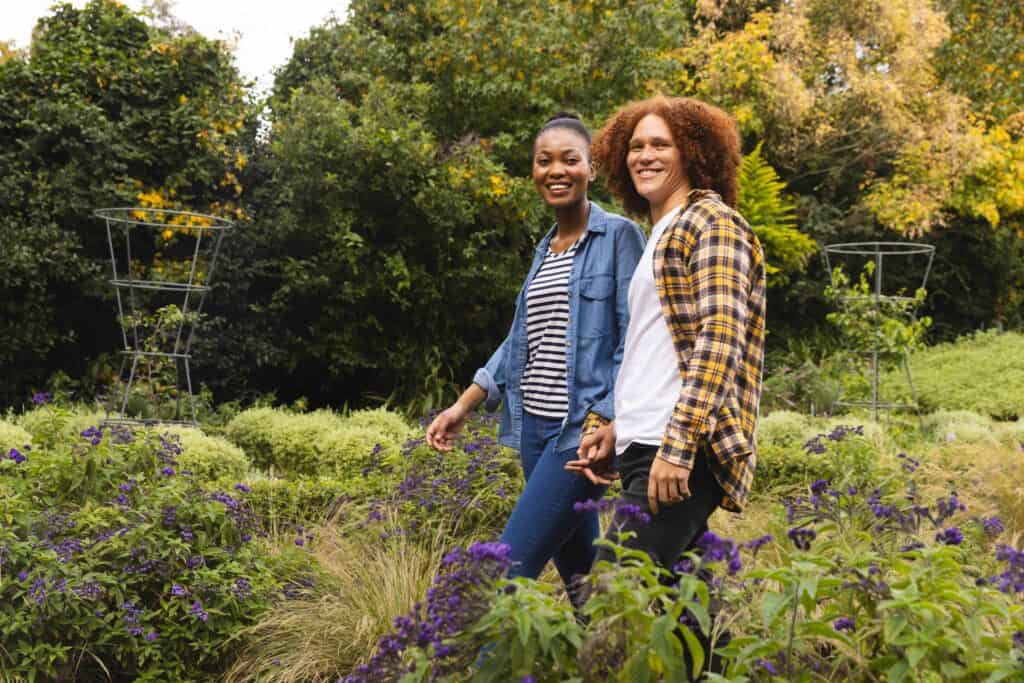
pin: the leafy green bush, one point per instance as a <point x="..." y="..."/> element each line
<point x="959" y="425"/>
<point x="103" y="110"/>
<point x="317" y="443"/>
<point x="12" y="436"/>
<point x="840" y="449"/>
<point x="108" y="547"/>
<point x="209" y="458"/>
<point x="981" y="373"/>
<point x="53" y="424"/>
<point x="389" y="425"/>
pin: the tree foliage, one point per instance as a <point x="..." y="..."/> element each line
<point x="101" y="110"/>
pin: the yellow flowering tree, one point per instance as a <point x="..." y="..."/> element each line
<point x="102" y="109"/>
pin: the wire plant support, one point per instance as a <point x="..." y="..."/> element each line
<point x="878" y="301"/>
<point x="163" y="263"/>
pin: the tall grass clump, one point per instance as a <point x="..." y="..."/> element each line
<point x="331" y="630"/>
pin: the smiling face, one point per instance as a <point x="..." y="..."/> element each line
<point x="562" y="170"/>
<point x="656" y="166"/>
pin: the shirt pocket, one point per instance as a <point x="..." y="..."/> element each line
<point x="597" y="306"/>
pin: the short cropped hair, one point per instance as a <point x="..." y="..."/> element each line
<point x="707" y="138"/>
<point x="568" y="121"/>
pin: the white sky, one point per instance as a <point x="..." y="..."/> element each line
<point x="265" y="27"/>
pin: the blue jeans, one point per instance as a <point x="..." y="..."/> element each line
<point x="543" y="524"/>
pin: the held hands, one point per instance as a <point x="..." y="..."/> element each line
<point x="442" y="431"/>
<point x="595" y="456"/>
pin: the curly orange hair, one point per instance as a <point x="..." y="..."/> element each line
<point x="707" y="138"/>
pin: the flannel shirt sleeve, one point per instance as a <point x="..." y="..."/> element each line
<point x="592" y="422"/>
<point x="718" y="263"/>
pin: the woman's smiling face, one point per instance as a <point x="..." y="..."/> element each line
<point x="562" y="170"/>
<point x="654" y="161"/>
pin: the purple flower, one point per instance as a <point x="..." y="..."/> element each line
<point x="716" y="549"/>
<point x="767" y="665"/>
<point x="178" y="591"/>
<point x="948" y="507"/>
<point x="16" y="456"/>
<point x="844" y="624"/>
<point x="169" y="471"/>
<point x="802" y="537"/>
<point x="528" y="679"/>
<point x="22" y="575"/>
<point x="631" y="511"/>
<point x="197" y="611"/>
<point x="152" y="635"/>
<point x="950" y="536"/>
<point x="41" y="399"/>
<point x="592" y="505"/>
<point x="242" y="487"/>
<point x="1018" y="640"/>
<point x="993" y="526"/>
<point x="755" y="545"/>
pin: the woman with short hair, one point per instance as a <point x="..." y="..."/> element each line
<point x="557" y="366"/>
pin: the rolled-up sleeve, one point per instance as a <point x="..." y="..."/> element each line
<point x="492" y="376"/>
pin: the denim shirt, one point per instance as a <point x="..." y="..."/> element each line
<point x="598" y="316"/>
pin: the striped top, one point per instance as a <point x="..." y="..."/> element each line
<point x="545" y="393"/>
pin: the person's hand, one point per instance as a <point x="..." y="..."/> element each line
<point x="448" y="423"/>
<point x="595" y="456"/>
<point x="667" y="484"/>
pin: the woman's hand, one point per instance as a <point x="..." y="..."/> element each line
<point x="595" y="456"/>
<point x="446" y="426"/>
<point x="442" y="431"/>
<point x="667" y="484"/>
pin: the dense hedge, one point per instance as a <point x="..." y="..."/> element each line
<point x="982" y="373"/>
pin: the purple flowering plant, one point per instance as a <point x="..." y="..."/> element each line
<point x="101" y="555"/>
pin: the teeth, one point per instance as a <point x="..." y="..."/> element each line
<point x="558" y="187"/>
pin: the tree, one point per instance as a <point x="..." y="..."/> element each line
<point x="102" y="110"/>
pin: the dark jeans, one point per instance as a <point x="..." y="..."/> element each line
<point x="674" y="530"/>
<point x="543" y="525"/>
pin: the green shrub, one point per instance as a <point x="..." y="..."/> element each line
<point x="386" y="423"/>
<point x="783" y="429"/>
<point x="289" y="442"/>
<point x="319" y="443"/>
<point x="982" y="373"/>
<point x="209" y="457"/>
<point x="108" y="548"/>
<point x="846" y="451"/>
<point x="959" y="425"/>
<point x="12" y="436"/>
<point x="52" y="424"/>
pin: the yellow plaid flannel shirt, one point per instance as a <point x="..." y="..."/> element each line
<point x="710" y="273"/>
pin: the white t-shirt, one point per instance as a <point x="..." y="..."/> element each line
<point x="648" y="384"/>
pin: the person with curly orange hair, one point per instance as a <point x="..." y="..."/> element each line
<point x="687" y="392"/>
